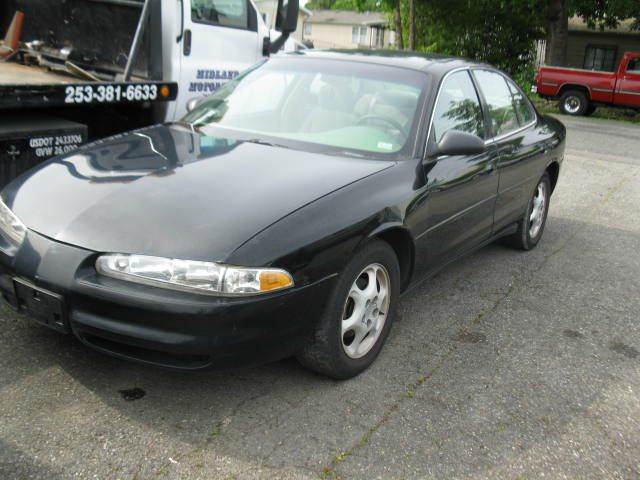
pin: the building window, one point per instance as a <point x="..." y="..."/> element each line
<point x="307" y="29"/>
<point x="600" y="57"/>
<point x="359" y="35"/>
<point x="379" y="37"/>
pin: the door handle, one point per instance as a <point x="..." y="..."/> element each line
<point x="186" y="43"/>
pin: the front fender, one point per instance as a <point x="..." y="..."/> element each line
<point x="319" y="240"/>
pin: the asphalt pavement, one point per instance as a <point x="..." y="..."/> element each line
<point x="505" y="365"/>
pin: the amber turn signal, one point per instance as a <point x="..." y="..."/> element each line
<point x="274" y="280"/>
<point x="164" y="91"/>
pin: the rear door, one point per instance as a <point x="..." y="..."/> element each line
<point x="461" y="189"/>
<point x="519" y="146"/>
<point x="628" y="87"/>
<point x="219" y="40"/>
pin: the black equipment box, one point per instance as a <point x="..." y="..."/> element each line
<point x="29" y="139"/>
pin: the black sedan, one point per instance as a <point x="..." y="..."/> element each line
<point x="286" y="213"/>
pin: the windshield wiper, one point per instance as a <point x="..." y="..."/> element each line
<point x="260" y="141"/>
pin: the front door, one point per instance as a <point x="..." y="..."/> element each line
<point x="219" y="40"/>
<point x="517" y="142"/>
<point x="628" y="87"/>
<point x="461" y="190"/>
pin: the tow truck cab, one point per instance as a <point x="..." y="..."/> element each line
<point x="214" y="40"/>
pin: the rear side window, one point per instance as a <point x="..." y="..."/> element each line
<point x="499" y="101"/>
<point x="523" y="107"/>
<point x="225" y="13"/>
<point x="458" y="107"/>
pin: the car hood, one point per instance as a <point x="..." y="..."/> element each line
<point x="171" y="192"/>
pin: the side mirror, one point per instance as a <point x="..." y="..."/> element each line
<point x="194" y="103"/>
<point x="455" y="142"/>
<point x="287" y="16"/>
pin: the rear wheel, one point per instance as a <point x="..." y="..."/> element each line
<point x="531" y="226"/>
<point x="358" y="316"/>
<point x="574" y="102"/>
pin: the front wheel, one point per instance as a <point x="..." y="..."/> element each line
<point x="531" y="225"/>
<point x="358" y="316"/>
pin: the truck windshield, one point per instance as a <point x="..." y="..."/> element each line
<point x="335" y="104"/>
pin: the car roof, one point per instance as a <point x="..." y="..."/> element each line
<point x="431" y="62"/>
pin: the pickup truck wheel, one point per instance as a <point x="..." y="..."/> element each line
<point x="574" y="102"/>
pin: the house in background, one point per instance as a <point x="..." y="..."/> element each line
<point x="267" y="9"/>
<point x="597" y="49"/>
<point x="347" y="29"/>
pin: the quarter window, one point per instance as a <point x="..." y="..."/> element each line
<point x="523" y="107"/>
<point x="458" y="107"/>
<point x="499" y="101"/>
<point x="225" y="13"/>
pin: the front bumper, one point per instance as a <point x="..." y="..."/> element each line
<point x="158" y="326"/>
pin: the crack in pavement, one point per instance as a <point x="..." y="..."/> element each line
<point x="519" y="280"/>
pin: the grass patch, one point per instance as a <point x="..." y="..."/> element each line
<point x="621" y="114"/>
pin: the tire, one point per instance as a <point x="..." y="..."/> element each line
<point x="526" y="238"/>
<point x="592" y="108"/>
<point x="326" y="350"/>
<point x="574" y="102"/>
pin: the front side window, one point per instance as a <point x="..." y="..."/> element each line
<point x="458" y="107"/>
<point x="325" y="105"/>
<point x="634" y="66"/>
<point x="502" y="112"/>
<point x="225" y="13"/>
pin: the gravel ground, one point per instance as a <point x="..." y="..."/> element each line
<point x="505" y="365"/>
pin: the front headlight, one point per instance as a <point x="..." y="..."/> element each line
<point x="190" y="275"/>
<point x="10" y="226"/>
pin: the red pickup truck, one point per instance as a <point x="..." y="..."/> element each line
<point x="580" y="91"/>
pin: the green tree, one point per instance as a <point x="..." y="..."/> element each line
<point x="500" y="32"/>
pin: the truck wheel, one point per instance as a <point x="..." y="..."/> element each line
<point x="574" y="102"/>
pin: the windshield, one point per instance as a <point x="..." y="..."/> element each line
<point x="333" y="104"/>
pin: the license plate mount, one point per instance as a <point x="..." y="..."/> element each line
<point x="42" y="305"/>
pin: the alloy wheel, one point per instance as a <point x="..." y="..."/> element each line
<point x="538" y="210"/>
<point x="365" y="310"/>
